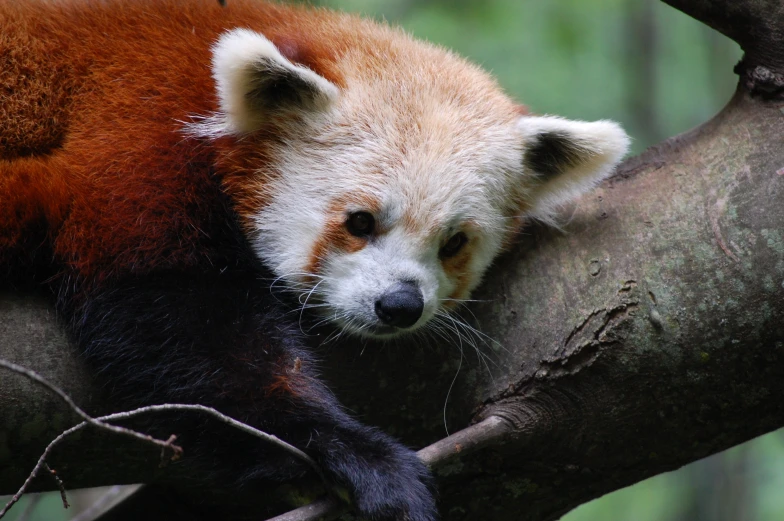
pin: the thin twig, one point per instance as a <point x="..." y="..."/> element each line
<point x="32" y="375"/>
<point x="468" y="439"/>
<point x="60" y="485"/>
<point x="16" y="497"/>
<point x="42" y="460"/>
<point x="244" y="427"/>
<point x="100" y="423"/>
<point x="325" y="509"/>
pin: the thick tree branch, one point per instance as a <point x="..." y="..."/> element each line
<point x="648" y="335"/>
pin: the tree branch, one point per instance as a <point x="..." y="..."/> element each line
<point x="646" y="337"/>
<point x="101" y="423"/>
<point x="489" y="431"/>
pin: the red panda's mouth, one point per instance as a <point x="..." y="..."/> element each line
<point x="385" y="331"/>
<point x="381" y="331"/>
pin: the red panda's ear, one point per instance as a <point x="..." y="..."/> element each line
<point x="255" y="81"/>
<point x="562" y="159"/>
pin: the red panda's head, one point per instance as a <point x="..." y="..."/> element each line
<point x="383" y="197"/>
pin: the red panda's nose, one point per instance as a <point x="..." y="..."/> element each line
<point x="401" y="305"/>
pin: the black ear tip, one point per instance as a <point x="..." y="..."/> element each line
<point x="278" y="88"/>
<point x="552" y="152"/>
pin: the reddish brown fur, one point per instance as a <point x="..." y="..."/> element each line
<point x="457" y="267"/>
<point x="91" y="94"/>
<point x="290" y="381"/>
<point x="515" y="223"/>
<point x="335" y="236"/>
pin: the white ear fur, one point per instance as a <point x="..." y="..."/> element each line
<point x="568" y="158"/>
<point x="244" y="64"/>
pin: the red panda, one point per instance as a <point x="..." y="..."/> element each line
<point x="161" y="161"/>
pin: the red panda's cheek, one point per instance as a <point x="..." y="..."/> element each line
<point x="515" y="224"/>
<point x="243" y="168"/>
<point x="335" y="239"/>
<point x="458" y="269"/>
<point x="463" y="284"/>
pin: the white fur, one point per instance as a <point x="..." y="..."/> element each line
<point x="427" y="136"/>
<point x="439" y="180"/>
<point x="240" y="59"/>
<point x="606" y="143"/>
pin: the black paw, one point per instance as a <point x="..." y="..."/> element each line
<point x="386" y="481"/>
<point x="399" y="490"/>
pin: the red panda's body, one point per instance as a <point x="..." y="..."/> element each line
<point x="131" y="196"/>
<point x="161" y="161"/>
<point x="101" y="190"/>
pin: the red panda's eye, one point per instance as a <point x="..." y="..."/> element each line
<point x="360" y="224"/>
<point x="453" y="245"/>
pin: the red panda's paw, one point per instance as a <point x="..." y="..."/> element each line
<point x="404" y="493"/>
<point x="386" y="481"/>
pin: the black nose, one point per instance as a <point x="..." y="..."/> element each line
<point x="401" y="305"/>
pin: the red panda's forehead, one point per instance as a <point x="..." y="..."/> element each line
<point x="408" y="77"/>
<point x="413" y="126"/>
<point x="427" y="123"/>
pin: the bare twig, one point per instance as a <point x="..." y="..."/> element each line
<point x="477" y="436"/>
<point x="42" y="460"/>
<point x="482" y="434"/>
<point x="244" y="427"/>
<point x="468" y="439"/>
<point x="100" y="422"/>
<point x="32" y="375"/>
<point x="60" y="485"/>
<point x="16" y="497"/>
<point x="325" y="509"/>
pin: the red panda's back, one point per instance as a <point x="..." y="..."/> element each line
<point x="93" y="96"/>
<point x="36" y="84"/>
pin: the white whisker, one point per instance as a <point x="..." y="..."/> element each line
<point x="452" y="384"/>
<point x="304" y="305"/>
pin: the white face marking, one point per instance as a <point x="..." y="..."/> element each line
<point x="423" y="142"/>
<point x="420" y="193"/>
<point x="355" y="281"/>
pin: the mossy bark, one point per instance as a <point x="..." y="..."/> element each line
<point x="648" y="334"/>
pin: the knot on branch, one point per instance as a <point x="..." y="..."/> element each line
<point x="583" y="346"/>
<point x="760" y="80"/>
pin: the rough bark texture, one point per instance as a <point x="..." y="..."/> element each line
<point x="646" y="336"/>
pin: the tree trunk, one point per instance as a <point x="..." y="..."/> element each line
<point x="647" y="335"/>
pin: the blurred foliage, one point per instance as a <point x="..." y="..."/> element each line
<point x="640" y="62"/>
<point x="741" y="484"/>
<point x="659" y="73"/>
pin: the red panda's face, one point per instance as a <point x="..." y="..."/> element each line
<point x="385" y="199"/>
<point x="381" y="237"/>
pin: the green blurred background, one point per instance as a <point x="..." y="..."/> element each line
<point x="640" y="62"/>
<point x="659" y="73"/>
